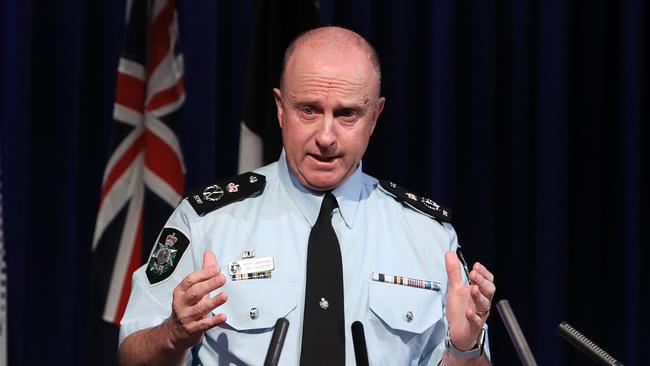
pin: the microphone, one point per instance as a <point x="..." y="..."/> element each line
<point x="277" y="341"/>
<point x="359" y="342"/>
<point x="516" y="335"/>
<point x="585" y="345"/>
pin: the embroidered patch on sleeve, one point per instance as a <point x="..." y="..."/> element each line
<point x="168" y="252"/>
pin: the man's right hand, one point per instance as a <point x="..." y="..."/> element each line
<point x="192" y="306"/>
<point x="168" y="343"/>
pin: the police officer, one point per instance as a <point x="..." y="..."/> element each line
<point x="237" y="255"/>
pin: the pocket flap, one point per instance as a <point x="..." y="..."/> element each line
<point x="257" y="304"/>
<point x="405" y="308"/>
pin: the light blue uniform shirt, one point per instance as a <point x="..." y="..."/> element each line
<point x="376" y="233"/>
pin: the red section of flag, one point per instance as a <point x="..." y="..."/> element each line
<point x="164" y="162"/>
<point x="123" y="163"/>
<point x="167" y="96"/>
<point x="130" y="92"/>
<point x="159" y="46"/>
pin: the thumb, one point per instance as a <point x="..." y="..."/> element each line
<point x="452" y="264"/>
<point x="209" y="259"/>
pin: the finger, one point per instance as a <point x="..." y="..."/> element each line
<point x="475" y="322"/>
<point x="208" y="304"/>
<point x="204" y="324"/>
<point x="209" y="259"/>
<point x="211" y="322"/>
<point x="198" y="276"/>
<point x="486" y="287"/>
<point x="452" y="264"/>
<point x="483" y="271"/>
<point x="481" y="303"/>
<point x="200" y="289"/>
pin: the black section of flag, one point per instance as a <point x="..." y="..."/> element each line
<point x="135" y="43"/>
<point x="276" y="24"/>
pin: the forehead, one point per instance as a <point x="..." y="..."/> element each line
<point x="322" y="69"/>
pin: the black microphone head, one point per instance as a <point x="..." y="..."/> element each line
<point x="584" y="344"/>
<point x="277" y="342"/>
<point x="281" y="325"/>
<point x="357" y="328"/>
<point x="359" y="342"/>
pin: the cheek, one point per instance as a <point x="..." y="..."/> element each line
<point x="294" y="135"/>
<point x="358" y="142"/>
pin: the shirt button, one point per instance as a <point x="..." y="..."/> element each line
<point x="254" y="313"/>
<point x="409" y="316"/>
<point x="324" y="304"/>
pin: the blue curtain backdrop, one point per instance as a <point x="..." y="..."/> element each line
<point x="529" y="119"/>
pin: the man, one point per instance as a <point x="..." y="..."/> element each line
<point x="389" y="262"/>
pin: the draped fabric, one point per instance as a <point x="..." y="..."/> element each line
<point x="529" y="119"/>
<point x="144" y="176"/>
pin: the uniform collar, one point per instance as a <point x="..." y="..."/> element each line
<point x="347" y="194"/>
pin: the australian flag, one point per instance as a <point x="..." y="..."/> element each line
<point x="144" y="176"/>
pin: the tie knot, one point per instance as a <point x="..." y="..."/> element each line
<point x="329" y="203"/>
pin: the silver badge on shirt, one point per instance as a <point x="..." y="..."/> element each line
<point x="250" y="267"/>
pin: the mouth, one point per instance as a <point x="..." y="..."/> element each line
<point x="323" y="159"/>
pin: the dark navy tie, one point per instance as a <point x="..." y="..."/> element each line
<point x="323" y="331"/>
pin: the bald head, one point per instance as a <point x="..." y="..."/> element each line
<point x="335" y="40"/>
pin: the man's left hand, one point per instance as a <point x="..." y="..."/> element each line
<point x="467" y="306"/>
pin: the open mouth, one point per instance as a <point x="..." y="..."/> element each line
<point x="324" y="159"/>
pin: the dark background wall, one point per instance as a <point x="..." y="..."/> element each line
<point x="529" y="119"/>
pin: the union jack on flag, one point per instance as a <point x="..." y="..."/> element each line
<point x="144" y="177"/>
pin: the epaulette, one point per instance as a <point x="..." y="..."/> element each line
<point x="225" y="192"/>
<point x="420" y="203"/>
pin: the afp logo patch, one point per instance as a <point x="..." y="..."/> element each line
<point x="166" y="254"/>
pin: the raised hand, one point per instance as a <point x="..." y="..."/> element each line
<point x="192" y="305"/>
<point x="467" y="307"/>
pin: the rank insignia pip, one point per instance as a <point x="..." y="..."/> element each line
<point x="166" y="254"/>
<point x="224" y="192"/>
<point x="420" y="203"/>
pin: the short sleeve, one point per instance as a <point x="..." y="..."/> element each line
<point x="169" y="262"/>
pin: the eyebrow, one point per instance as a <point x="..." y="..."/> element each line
<point x="339" y="105"/>
<point x="296" y="100"/>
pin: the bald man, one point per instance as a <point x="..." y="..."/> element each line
<point x="312" y="239"/>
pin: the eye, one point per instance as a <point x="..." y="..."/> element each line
<point x="308" y="110"/>
<point x="348" y="113"/>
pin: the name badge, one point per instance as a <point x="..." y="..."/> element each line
<point x="250" y="265"/>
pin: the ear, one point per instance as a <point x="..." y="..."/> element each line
<point x="378" y="108"/>
<point x="278" y="104"/>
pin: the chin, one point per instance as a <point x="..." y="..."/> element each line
<point x="322" y="183"/>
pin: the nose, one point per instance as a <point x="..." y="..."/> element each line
<point x="326" y="136"/>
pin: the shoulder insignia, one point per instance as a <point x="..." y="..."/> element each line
<point x="167" y="253"/>
<point x="225" y="192"/>
<point x="420" y="203"/>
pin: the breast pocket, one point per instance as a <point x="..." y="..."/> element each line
<point x="257" y="304"/>
<point x="405" y="308"/>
